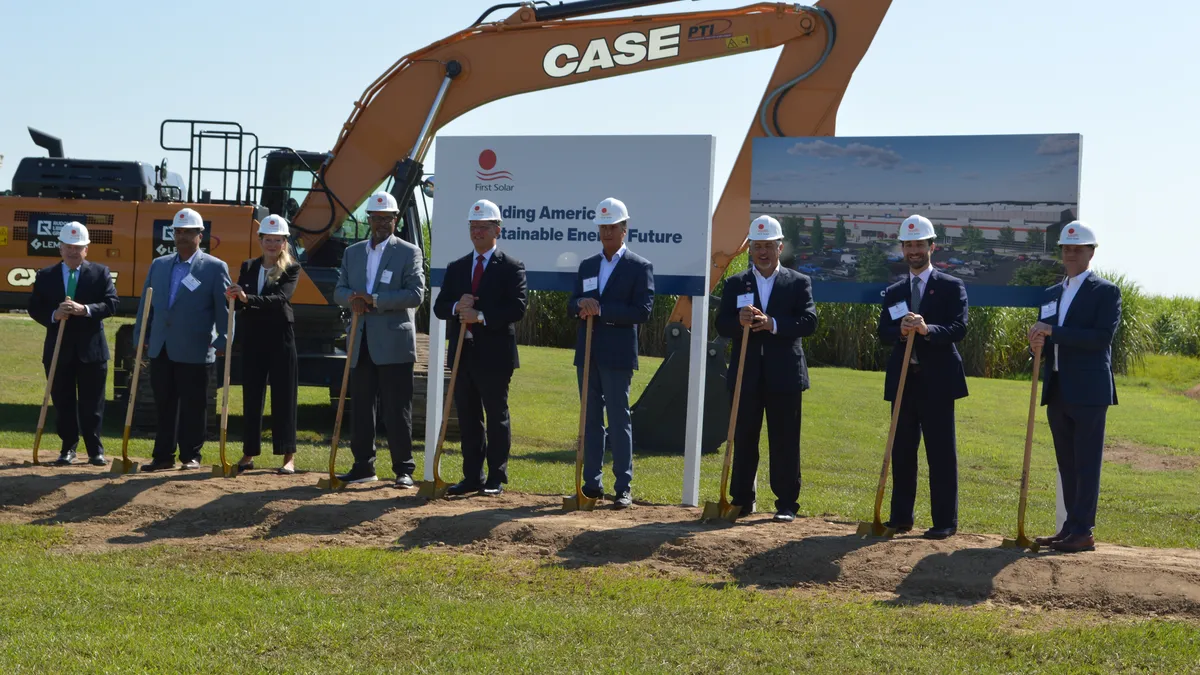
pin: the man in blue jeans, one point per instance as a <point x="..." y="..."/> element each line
<point x="617" y="288"/>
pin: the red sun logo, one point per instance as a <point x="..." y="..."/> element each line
<point x="379" y="200"/>
<point x="487" y="160"/>
<point x="1071" y="231"/>
<point x="761" y="226"/>
<point x="603" y="210"/>
<point x="477" y="208"/>
<point x="912" y="226"/>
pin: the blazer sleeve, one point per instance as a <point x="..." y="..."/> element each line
<point x="889" y="328"/>
<point x="727" y="313"/>
<point x="41" y="307"/>
<point x="412" y="287"/>
<point x="282" y="293"/>
<point x="143" y="312"/>
<point x="641" y="300"/>
<point x="576" y="294"/>
<point x="343" y="290"/>
<point x="447" y="296"/>
<point x="243" y="280"/>
<point x="801" y="322"/>
<point x="108" y="306"/>
<point x="1099" y="338"/>
<point x="956" y="330"/>
<point x="221" y="305"/>
<point x="511" y="306"/>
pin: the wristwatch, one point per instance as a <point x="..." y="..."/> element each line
<point x="375" y="300"/>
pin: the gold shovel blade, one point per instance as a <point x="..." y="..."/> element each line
<point x="224" y="471"/>
<point x="720" y="511"/>
<point x="122" y="467"/>
<point x="433" y="489"/>
<point x="1020" y="542"/>
<point x="875" y="530"/>
<point x="579" y="503"/>
<point x="330" y="483"/>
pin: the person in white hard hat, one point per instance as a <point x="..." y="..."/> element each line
<point x="1078" y="319"/>
<point x="382" y="280"/>
<point x="188" y="320"/>
<point x="81" y="293"/>
<point x="483" y="293"/>
<point x="777" y="304"/>
<point x="264" y="300"/>
<point x="931" y="308"/>
<point x="616" y="286"/>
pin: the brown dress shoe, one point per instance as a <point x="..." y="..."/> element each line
<point x="1046" y="541"/>
<point x="1075" y="543"/>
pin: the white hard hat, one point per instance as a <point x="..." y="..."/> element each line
<point x="274" y="224"/>
<point x="765" y="228"/>
<point x="382" y="201"/>
<point x="610" y="212"/>
<point x="916" y="228"/>
<point x="74" y="233"/>
<point x="485" y="210"/>
<point x="1077" y="233"/>
<point x="188" y="218"/>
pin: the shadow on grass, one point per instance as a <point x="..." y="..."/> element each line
<point x="104" y="500"/>
<point x="963" y="577"/>
<point x="228" y="512"/>
<point x="468" y="528"/>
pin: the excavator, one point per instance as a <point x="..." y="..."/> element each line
<point x="128" y="206"/>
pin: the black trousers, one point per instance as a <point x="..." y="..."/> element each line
<point x="1078" y="432"/>
<point x="393" y="384"/>
<point x="783" y="442"/>
<point x="933" y="419"/>
<point x="82" y="416"/>
<point x="482" y="388"/>
<point x="181" y="396"/>
<point x="274" y="362"/>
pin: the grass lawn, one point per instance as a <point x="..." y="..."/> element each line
<point x="332" y="610"/>
<point x="844" y="429"/>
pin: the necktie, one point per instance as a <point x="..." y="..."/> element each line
<point x="916" y="294"/>
<point x="477" y="275"/>
<point x="72" y="279"/>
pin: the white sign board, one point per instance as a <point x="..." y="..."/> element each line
<point x="547" y="188"/>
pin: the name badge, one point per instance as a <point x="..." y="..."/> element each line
<point x="386" y="277"/>
<point x="898" y="310"/>
<point x="191" y="282"/>
<point x="745" y="300"/>
<point x="590" y="284"/>
<point x="1050" y="310"/>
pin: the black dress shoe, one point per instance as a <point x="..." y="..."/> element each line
<point x="623" y="500"/>
<point x="1046" y="541"/>
<point x="245" y="467"/>
<point x="357" y="475"/>
<point x="404" y="482"/>
<point x="940" y="532"/>
<point x="65" y="458"/>
<point x="593" y="493"/>
<point x="462" y="488"/>
<point x="784" y="516"/>
<point x="98" y="460"/>
<point x="191" y="464"/>
<point x="898" y="528"/>
<point x="158" y="465"/>
<point x="493" y="488"/>
<point x="1075" y="543"/>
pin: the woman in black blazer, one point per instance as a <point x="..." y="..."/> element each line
<point x="264" y="293"/>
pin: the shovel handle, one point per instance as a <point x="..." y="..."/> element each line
<point x="1033" y="391"/>
<point x="583" y="397"/>
<point x="37" y="438"/>
<point x="137" y="372"/>
<point x="891" y="438"/>
<point x="337" y="422"/>
<point x="733" y="416"/>
<point x="225" y="386"/>
<point x="437" y="455"/>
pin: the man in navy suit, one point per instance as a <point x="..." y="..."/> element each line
<point x="82" y="294"/>
<point x="1076" y="328"/>
<point x="617" y="288"/>
<point x="484" y="294"/>
<point x="776" y="373"/>
<point x="930" y="308"/>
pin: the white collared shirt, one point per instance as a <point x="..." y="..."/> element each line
<point x="607" y="266"/>
<point x="765" y="286"/>
<point x="1070" y="288"/>
<point x="374" y="257"/>
<point x="923" y="276"/>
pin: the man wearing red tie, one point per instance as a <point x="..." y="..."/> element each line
<point x="483" y="293"/>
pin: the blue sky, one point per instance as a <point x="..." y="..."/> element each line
<point x="104" y="75"/>
<point x="1024" y="168"/>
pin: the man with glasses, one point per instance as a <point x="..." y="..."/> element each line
<point x="382" y="280"/>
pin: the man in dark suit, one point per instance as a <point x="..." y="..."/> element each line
<point x="930" y="308"/>
<point x="484" y="292"/>
<point x="776" y="373"/>
<point x="82" y="294"/>
<point x="1078" y="321"/>
<point x="617" y="288"/>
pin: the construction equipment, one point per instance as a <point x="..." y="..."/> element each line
<point x="1023" y="541"/>
<point x="723" y="509"/>
<point x="580" y="501"/>
<point x="436" y="488"/>
<point x="125" y="465"/>
<point x="225" y="469"/>
<point x="37" y="438"/>
<point x="388" y="134"/>
<point x="333" y="482"/>
<point x="877" y="528"/>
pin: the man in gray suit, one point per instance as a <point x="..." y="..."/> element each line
<point x="188" y="318"/>
<point x="383" y="281"/>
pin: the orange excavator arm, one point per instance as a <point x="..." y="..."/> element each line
<point x="398" y="115"/>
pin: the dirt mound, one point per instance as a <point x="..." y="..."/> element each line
<point x="1146" y="459"/>
<point x="264" y="511"/>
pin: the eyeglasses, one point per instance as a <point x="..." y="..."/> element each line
<point x="382" y="219"/>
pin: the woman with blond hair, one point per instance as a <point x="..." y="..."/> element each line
<point x="264" y="293"/>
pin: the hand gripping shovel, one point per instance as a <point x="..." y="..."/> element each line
<point x="125" y="465"/>
<point x="436" y="488"/>
<point x="225" y="469"/>
<point x="1023" y="541"/>
<point x="37" y="438"/>
<point x="723" y="509"/>
<point x="877" y="528"/>
<point x="581" y="502"/>
<point x="333" y="483"/>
